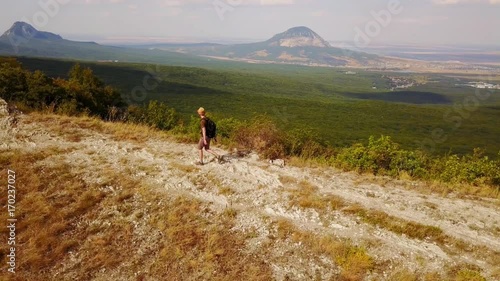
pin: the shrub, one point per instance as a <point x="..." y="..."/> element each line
<point x="227" y="127"/>
<point x="193" y="130"/>
<point x="380" y="153"/>
<point x="261" y="135"/>
<point x="375" y="158"/>
<point x="475" y="169"/>
<point x="161" y="116"/>
<point x="296" y="139"/>
<point x="136" y="114"/>
<point x="352" y="158"/>
<point x="69" y="108"/>
<point x="312" y="149"/>
<point x="414" y="163"/>
<point x="156" y="114"/>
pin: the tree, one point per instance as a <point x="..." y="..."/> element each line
<point x="13" y="86"/>
<point x="42" y="92"/>
<point x="90" y="93"/>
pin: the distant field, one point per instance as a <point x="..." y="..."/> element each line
<point x="338" y="108"/>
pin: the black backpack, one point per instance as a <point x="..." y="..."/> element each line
<point x="211" y="128"/>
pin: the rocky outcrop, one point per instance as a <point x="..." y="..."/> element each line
<point x="7" y="120"/>
<point x="4" y="108"/>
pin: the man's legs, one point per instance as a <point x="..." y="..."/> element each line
<point x="207" y="149"/>
<point x="212" y="152"/>
<point x="201" y="146"/>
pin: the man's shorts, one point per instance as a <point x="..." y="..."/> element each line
<point x="202" y="145"/>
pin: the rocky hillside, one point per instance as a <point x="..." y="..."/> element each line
<point x="21" y="31"/>
<point x="107" y="201"/>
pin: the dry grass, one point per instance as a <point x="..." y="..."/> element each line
<point x="305" y="195"/>
<point x="396" y="225"/>
<point x="184" y="169"/>
<point x="226" y="190"/>
<point x="353" y="260"/>
<point x="403" y="275"/>
<point x="195" y="247"/>
<point x="119" y="131"/>
<point x="287" y="180"/>
<point x="49" y="205"/>
<point x="133" y="229"/>
<point x="423" y="232"/>
<point x="463" y="272"/>
<point x="307" y="163"/>
<point x="463" y="190"/>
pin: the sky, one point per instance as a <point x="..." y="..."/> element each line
<point x="365" y="22"/>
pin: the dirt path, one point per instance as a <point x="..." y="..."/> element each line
<point x="261" y="193"/>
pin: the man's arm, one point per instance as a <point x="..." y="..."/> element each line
<point x="204" y="132"/>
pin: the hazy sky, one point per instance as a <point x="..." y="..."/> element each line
<point x="408" y="21"/>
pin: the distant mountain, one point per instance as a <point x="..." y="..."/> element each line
<point x="21" y="31"/>
<point x="298" y="45"/>
<point x="298" y="37"/>
<point x="22" y="39"/>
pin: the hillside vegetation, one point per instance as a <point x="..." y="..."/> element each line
<point x="82" y="93"/>
<point x="339" y="109"/>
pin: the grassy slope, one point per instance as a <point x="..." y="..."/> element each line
<point x="319" y="99"/>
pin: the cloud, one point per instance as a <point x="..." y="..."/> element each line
<point x="426" y="20"/>
<point x="234" y="3"/>
<point x="318" y="14"/>
<point x="276" y="2"/>
<point x="455" y="2"/>
<point x="178" y="3"/>
<point x="102" y="1"/>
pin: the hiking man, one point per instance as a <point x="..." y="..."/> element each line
<point x="204" y="142"/>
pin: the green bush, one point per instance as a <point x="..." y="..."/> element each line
<point x="161" y="116"/>
<point x="381" y="153"/>
<point x="227" y="127"/>
<point x="414" y="163"/>
<point x="156" y="114"/>
<point x="384" y="157"/>
<point x="376" y="157"/>
<point x="194" y="129"/>
<point x="474" y="169"/>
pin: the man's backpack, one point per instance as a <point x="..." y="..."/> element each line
<point x="211" y="128"/>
